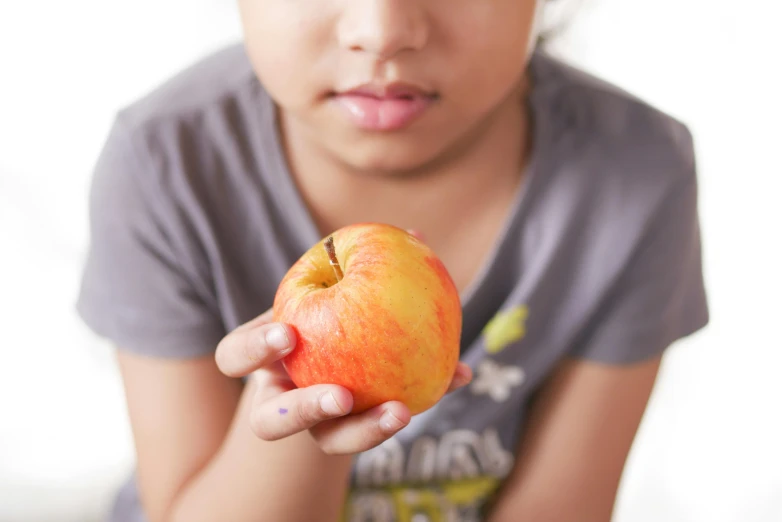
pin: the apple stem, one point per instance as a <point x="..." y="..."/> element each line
<point x="333" y="258"/>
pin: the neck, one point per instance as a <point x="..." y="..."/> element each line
<point x="481" y="171"/>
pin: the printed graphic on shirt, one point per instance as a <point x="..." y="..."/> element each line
<point x="505" y="328"/>
<point x="496" y="380"/>
<point x="450" y="478"/>
<point x="461" y="501"/>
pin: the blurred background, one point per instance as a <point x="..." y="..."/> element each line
<point x="710" y="447"/>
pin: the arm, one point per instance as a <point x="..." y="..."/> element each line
<point x="208" y="450"/>
<point x="198" y="459"/>
<point x="584" y="420"/>
<point x="580" y="431"/>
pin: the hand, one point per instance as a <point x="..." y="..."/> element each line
<point x="280" y="409"/>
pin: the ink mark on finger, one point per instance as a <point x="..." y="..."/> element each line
<point x="283" y="411"/>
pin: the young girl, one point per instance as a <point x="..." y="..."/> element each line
<point x="564" y="209"/>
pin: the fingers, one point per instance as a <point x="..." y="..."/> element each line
<point x="324" y="411"/>
<point x="415" y="233"/>
<point x="253" y="346"/>
<point x="298" y="409"/>
<point x="461" y="377"/>
<point x="363" y="431"/>
<point x="281" y="410"/>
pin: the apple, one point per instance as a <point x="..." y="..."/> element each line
<point x="375" y="311"/>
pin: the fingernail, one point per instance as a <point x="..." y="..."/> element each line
<point x="276" y="337"/>
<point x="328" y="403"/>
<point x="390" y="423"/>
<point x="463" y="378"/>
<point x="415" y="233"/>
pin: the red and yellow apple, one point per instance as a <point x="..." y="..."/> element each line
<point x="375" y="311"/>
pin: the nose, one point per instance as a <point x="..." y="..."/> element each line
<point x="383" y="28"/>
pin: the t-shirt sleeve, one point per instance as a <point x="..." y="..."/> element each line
<point x="659" y="296"/>
<point x="134" y="289"/>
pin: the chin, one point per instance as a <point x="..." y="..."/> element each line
<point x="393" y="154"/>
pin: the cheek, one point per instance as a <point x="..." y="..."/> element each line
<point x="492" y="46"/>
<point x="285" y="47"/>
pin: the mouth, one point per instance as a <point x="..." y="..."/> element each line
<point x="391" y="91"/>
<point x="384" y="107"/>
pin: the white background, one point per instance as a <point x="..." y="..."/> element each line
<point x="710" y="448"/>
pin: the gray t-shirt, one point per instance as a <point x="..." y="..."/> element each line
<point x="195" y="219"/>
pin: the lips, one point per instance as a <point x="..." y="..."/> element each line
<point x="388" y="107"/>
<point x="389" y="91"/>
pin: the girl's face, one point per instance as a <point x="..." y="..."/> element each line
<point x="389" y="85"/>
